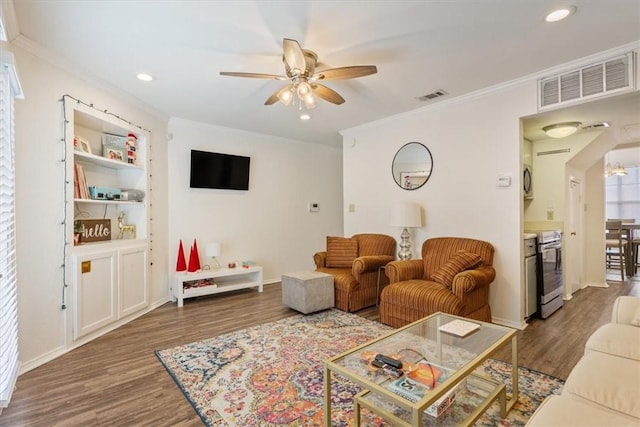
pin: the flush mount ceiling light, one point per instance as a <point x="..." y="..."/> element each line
<point x="305" y="116"/>
<point x="145" y="77"/>
<point x="560" y="14"/>
<point x="560" y="130"/>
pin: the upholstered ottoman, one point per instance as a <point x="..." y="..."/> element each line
<point x="307" y="291"/>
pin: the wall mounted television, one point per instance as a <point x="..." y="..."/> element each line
<point x="219" y="171"/>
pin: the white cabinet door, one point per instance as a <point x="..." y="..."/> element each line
<point x="95" y="290"/>
<point x="133" y="289"/>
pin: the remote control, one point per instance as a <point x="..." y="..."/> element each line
<point x="387" y="369"/>
<point x="389" y="361"/>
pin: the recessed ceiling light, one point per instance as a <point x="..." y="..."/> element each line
<point x="145" y="77"/>
<point x="560" y="14"/>
<point x="305" y="116"/>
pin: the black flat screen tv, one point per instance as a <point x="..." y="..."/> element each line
<point x="219" y="171"/>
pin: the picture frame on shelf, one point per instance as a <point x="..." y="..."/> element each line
<point x="82" y="145"/>
<point x="114" y="152"/>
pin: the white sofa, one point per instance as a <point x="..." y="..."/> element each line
<point x="603" y="389"/>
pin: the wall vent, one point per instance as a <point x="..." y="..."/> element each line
<point x="436" y="94"/>
<point x="594" y="80"/>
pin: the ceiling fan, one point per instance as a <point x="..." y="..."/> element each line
<point x="300" y="70"/>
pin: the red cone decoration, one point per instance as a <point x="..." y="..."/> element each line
<point x="181" y="264"/>
<point x="197" y="255"/>
<point x="194" y="258"/>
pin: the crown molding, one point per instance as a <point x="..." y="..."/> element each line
<point x="9" y="19"/>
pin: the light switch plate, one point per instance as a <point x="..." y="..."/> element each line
<point x="503" y="180"/>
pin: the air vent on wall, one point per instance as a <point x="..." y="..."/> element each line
<point x="604" y="78"/>
<point x="428" y="97"/>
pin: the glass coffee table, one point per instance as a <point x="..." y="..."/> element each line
<point x="438" y="384"/>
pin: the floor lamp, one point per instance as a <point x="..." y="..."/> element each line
<point x="406" y="215"/>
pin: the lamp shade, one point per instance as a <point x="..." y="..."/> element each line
<point x="212" y="249"/>
<point x="406" y="215"/>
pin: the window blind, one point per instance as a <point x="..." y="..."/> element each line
<point x="8" y="284"/>
<point x="622" y="194"/>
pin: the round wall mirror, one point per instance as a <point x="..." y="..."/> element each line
<point x="412" y="165"/>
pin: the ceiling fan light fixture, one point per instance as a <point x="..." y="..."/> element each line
<point x="309" y="101"/>
<point x="303" y="89"/>
<point x="561" y="130"/>
<point x="286" y="96"/>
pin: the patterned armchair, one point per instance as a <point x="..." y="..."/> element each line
<point x="452" y="277"/>
<point x="354" y="263"/>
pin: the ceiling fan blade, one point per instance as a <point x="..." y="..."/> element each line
<point x="276" y="96"/>
<point x="327" y="94"/>
<point x="346" y="72"/>
<point x="253" y="75"/>
<point x="293" y="56"/>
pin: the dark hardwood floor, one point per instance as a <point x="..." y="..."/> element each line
<point x="116" y="380"/>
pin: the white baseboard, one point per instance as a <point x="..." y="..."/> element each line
<point x="509" y="323"/>
<point x="597" y="285"/>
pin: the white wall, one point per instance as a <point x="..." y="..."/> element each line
<point x="39" y="201"/>
<point x="269" y="224"/>
<point x="471" y="141"/>
<point x="549" y="176"/>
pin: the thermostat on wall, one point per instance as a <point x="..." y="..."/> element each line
<point x="314" y="207"/>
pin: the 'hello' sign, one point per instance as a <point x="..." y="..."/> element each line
<point x="95" y="230"/>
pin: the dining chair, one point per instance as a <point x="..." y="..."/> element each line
<point x="615" y="246"/>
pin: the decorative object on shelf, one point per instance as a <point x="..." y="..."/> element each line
<point x="132" y="141"/>
<point x="212" y="250"/>
<point x="125" y="228"/>
<point x="104" y="193"/>
<point x="132" y="195"/>
<point x="81" y="145"/>
<point x="194" y="258"/>
<point x="114" y="147"/>
<point x="181" y="264"/>
<point x="93" y="230"/>
<point x="406" y="215"/>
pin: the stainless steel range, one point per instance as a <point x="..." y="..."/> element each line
<point x="549" y="272"/>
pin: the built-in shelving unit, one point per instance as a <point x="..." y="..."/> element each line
<point x="108" y="278"/>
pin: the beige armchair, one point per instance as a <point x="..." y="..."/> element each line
<point x="354" y="262"/>
<point x="452" y="277"/>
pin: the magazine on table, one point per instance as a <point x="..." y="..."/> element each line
<point x="416" y="384"/>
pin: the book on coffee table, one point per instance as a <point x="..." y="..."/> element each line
<point x="416" y="384"/>
<point x="458" y="327"/>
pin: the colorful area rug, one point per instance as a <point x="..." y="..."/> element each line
<point x="272" y="375"/>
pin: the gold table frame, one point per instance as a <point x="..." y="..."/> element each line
<point x="497" y="337"/>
